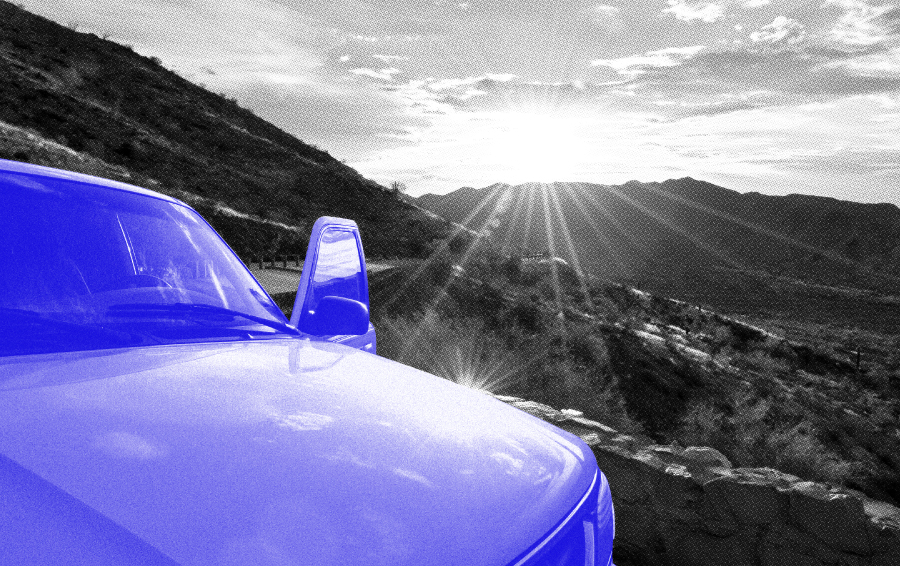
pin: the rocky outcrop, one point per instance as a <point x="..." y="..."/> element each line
<point x="689" y="506"/>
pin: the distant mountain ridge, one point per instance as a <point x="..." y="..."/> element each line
<point x="106" y="104"/>
<point x="689" y="238"/>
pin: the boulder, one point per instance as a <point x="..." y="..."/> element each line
<point x="701" y="549"/>
<point x="624" y="473"/>
<point x="750" y="501"/>
<point x="705" y="457"/>
<point x="778" y="556"/>
<point x="835" y="518"/>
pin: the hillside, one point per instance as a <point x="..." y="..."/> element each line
<point x="792" y="398"/>
<point x="790" y="256"/>
<point x="75" y="100"/>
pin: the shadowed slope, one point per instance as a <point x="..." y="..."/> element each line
<point x="104" y="101"/>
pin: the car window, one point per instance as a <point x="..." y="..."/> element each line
<point x="98" y="258"/>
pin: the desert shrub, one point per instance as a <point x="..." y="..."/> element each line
<point x="701" y="426"/>
<point x="761" y="361"/>
<point x="799" y="452"/>
<point x="606" y="404"/>
<point x="439" y="267"/>
<point x="527" y="314"/>
<point x="511" y="268"/>
<point x="588" y="349"/>
<point x="461" y="350"/>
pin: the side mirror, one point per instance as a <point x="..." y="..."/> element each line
<point x="337" y="316"/>
<point x="333" y="295"/>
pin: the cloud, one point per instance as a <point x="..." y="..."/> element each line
<point x="389" y="58"/>
<point x="781" y="29"/>
<point x="382" y="74"/>
<point x="782" y="75"/>
<point x="755" y="3"/>
<point x="607" y="17"/>
<point x="861" y="24"/>
<point x="708" y="12"/>
<point x="430" y="97"/>
<point x="884" y="64"/>
<point x="606" y="11"/>
<point x="636" y="64"/>
<point x="785" y="62"/>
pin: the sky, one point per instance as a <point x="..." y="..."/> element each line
<point x="773" y="96"/>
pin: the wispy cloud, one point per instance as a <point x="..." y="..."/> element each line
<point x="704" y="11"/>
<point x="781" y="29"/>
<point x="637" y="64"/>
<point x="381" y="74"/>
<point x="389" y="58"/>
<point x="861" y="23"/>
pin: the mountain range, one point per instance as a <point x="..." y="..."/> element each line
<point x="690" y="239"/>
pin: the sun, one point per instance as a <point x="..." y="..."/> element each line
<point x="530" y="146"/>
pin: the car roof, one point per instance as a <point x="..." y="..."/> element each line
<point x="7" y="166"/>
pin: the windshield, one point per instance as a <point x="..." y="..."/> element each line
<point x="85" y="267"/>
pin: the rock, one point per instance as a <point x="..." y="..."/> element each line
<point x="781" y="535"/>
<point x="704" y="475"/>
<point x="852" y="560"/>
<point x="884" y="540"/>
<point x="669" y="453"/>
<point x="626" y="476"/>
<point x="626" y="440"/>
<point x="700" y="549"/>
<point x="637" y="525"/>
<point x="777" y="556"/>
<point x="703" y="456"/>
<point x="881" y="512"/>
<point x="751" y="502"/>
<point x="675" y="487"/>
<point x="507" y="398"/>
<point x="594" y="425"/>
<point x="770" y="476"/>
<point x="717" y="516"/>
<point x="688" y="506"/>
<point x="539" y="410"/>
<point x="837" y="519"/>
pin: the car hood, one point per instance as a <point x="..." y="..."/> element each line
<point x="289" y="452"/>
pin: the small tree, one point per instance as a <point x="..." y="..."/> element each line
<point x="398" y="188"/>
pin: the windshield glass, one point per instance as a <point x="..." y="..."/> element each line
<point x="86" y="267"/>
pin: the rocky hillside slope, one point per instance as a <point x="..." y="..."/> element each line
<point x="713" y="427"/>
<point x="75" y="100"/>
<point x="690" y="507"/>
<point x="814" y="401"/>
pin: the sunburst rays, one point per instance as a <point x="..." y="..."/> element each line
<point x="515" y="220"/>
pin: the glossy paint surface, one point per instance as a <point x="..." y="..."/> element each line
<point x="289" y="452"/>
<point x="156" y="408"/>
<point x="338" y="269"/>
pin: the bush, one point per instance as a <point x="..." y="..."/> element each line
<point x="460" y="350"/>
<point x="527" y="315"/>
<point x="799" y="452"/>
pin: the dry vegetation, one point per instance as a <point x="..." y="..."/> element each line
<point x="773" y="394"/>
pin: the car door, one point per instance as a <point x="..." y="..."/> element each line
<point x="335" y="271"/>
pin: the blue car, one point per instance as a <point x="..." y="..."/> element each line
<point x="156" y="407"/>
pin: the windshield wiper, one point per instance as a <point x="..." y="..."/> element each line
<point x="131" y="309"/>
